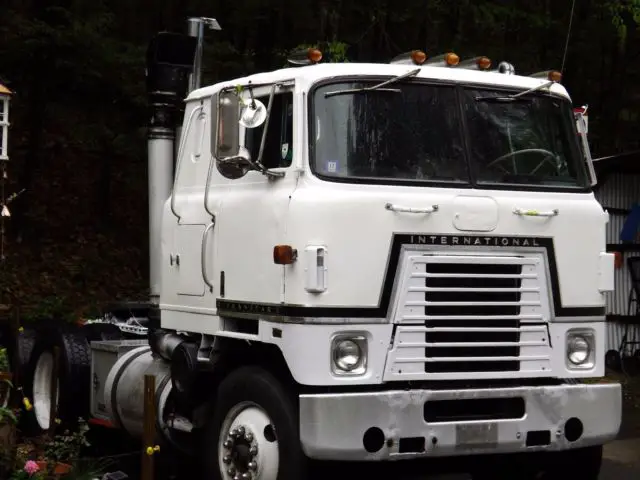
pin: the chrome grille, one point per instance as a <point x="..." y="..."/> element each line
<point x="470" y="316"/>
<point x="459" y="295"/>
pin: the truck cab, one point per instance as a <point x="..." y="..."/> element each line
<point x="417" y="241"/>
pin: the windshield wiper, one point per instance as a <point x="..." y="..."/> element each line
<point x="516" y="96"/>
<point x="377" y="87"/>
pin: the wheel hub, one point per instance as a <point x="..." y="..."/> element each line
<point x="241" y="453"/>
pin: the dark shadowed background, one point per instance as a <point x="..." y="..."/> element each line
<point x="78" y="235"/>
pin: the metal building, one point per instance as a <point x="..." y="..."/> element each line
<point x="618" y="191"/>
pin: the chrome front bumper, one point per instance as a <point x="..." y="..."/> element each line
<point x="333" y="426"/>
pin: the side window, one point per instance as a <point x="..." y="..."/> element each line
<point x="278" y="147"/>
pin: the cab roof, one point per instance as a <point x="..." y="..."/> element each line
<point x="306" y="76"/>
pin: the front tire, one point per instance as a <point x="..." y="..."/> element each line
<point x="253" y="429"/>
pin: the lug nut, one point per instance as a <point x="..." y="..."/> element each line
<point x="253" y="466"/>
<point x="248" y="437"/>
<point x="231" y="471"/>
<point x="246" y="476"/>
<point x="240" y="430"/>
<point x="228" y="443"/>
<point x="253" y="451"/>
<point x="227" y="459"/>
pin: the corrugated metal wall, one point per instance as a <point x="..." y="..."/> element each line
<point x="619" y="191"/>
<point x="615" y="331"/>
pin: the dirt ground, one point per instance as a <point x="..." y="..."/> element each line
<point x="622" y="461"/>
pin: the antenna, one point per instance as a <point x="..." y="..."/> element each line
<point x="566" y="45"/>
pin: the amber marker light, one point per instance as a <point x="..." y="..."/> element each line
<point x="284" y="254"/>
<point x="451" y="59"/>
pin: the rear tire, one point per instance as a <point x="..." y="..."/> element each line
<point x="23" y="375"/>
<point x="253" y="428"/>
<point x="74" y="371"/>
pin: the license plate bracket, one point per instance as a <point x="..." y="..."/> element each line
<point x="470" y="436"/>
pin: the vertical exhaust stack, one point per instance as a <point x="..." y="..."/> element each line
<point x="195" y="29"/>
<point x="174" y="69"/>
<point x="170" y="59"/>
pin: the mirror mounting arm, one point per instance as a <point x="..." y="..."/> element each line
<point x="263" y="141"/>
<point x="258" y="161"/>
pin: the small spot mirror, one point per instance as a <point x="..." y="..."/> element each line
<point x="254" y="114"/>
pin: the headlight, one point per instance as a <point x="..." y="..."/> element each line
<point x="349" y="354"/>
<point x="580" y="349"/>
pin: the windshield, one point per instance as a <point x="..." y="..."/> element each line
<point x="444" y="134"/>
<point x="531" y="140"/>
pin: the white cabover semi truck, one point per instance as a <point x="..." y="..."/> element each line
<point x="364" y="262"/>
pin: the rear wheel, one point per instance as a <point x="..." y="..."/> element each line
<point x="42" y="389"/>
<point x="254" y="430"/>
<point x="74" y="367"/>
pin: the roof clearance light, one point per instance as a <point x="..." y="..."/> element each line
<point x="415" y="57"/>
<point x="555" y="76"/>
<point x="452" y="59"/>
<point x="551" y="75"/>
<point x="445" y="60"/>
<point x="484" y="63"/>
<point x="479" y="63"/>
<point x="307" y="56"/>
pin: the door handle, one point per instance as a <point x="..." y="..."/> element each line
<point x="399" y="208"/>
<point x="203" y="254"/>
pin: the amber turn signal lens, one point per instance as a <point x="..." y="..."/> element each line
<point x="284" y="254"/>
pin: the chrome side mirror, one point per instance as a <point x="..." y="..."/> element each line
<point x="226" y="134"/>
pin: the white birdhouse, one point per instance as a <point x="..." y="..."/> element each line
<point x="5" y="97"/>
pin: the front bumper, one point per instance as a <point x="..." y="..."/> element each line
<point x="333" y="426"/>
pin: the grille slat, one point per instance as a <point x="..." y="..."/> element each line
<point x="523" y="318"/>
<point x="478" y="343"/>
<point x="522" y="329"/>
<point x="461" y="360"/>
<point x="468" y="290"/>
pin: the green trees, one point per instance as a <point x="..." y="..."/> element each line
<point x="78" y="115"/>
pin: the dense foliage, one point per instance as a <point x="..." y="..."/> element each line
<point x="78" y="236"/>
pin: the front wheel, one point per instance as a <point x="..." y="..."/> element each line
<point x="254" y="430"/>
